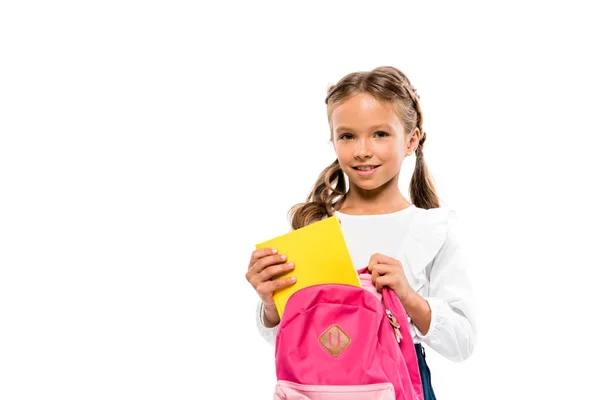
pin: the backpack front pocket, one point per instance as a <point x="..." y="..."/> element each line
<point x="295" y="391"/>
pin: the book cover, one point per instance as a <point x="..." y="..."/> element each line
<point x="319" y="254"/>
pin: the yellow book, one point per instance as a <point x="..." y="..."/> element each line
<point x="319" y="254"/>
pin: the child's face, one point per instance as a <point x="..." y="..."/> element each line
<point x="367" y="132"/>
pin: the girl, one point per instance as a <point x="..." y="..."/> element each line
<point x="375" y="122"/>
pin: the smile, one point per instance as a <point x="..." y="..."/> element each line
<point x="366" y="170"/>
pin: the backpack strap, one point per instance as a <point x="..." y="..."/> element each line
<point x="399" y="317"/>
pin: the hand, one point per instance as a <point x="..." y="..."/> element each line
<point x="265" y="264"/>
<point x="387" y="271"/>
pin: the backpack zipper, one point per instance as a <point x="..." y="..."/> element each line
<point x="394" y="324"/>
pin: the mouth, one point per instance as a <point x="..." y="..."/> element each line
<point x="365" y="170"/>
<point x="365" y="167"/>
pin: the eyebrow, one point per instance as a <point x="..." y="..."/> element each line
<point x="386" y="127"/>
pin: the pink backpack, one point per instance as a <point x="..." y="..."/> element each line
<point x="342" y="342"/>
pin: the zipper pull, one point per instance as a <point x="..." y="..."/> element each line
<point x="394" y="324"/>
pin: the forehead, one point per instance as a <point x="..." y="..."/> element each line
<point x="363" y="111"/>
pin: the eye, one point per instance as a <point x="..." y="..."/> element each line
<point x="346" y="136"/>
<point x="381" y="134"/>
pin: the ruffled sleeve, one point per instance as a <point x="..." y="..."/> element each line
<point x="432" y="252"/>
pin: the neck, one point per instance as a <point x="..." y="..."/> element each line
<point x="385" y="199"/>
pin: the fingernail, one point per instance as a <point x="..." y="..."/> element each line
<point x="290" y="264"/>
<point x="283" y="256"/>
<point x="274" y="251"/>
<point x="293" y="279"/>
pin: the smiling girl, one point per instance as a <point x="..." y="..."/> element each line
<point x="376" y="122"/>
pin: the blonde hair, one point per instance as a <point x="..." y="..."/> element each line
<point x="386" y="84"/>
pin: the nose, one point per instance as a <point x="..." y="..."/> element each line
<point x="362" y="149"/>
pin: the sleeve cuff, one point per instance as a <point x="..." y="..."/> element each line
<point x="269" y="334"/>
<point x="436" y="305"/>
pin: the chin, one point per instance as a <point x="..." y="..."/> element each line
<point x="369" y="185"/>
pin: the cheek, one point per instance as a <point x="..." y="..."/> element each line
<point x="344" y="154"/>
<point x="393" y="158"/>
<point x="346" y="158"/>
<point x="391" y="153"/>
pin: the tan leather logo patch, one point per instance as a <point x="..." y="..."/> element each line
<point x="335" y="340"/>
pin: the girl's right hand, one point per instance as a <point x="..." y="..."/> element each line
<point x="264" y="265"/>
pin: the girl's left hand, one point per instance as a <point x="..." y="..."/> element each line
<point x="387" y="271"/>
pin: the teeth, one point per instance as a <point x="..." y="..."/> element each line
<point x="364" y="168"/>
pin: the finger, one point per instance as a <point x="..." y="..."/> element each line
<point x="253" y="276"/>
<point x="383" y="259"/>
<point x="260" y="253"/>
<point x="379" y="258"/>
<point x="372" y="263"/>
<point x="267" y="261"/>
<point x="383" y="280"/>
<point x="383" y="269"/>
<point x="374" y="277"/>
<point x="268" y="288"/>
<point x="376" y="282"/>
<point x="386" y="280"/>
<point x="274" y="270"/>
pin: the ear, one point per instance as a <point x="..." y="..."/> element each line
<point x="412" y="141"/>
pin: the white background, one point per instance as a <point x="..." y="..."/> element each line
<point x="146" y="147"/>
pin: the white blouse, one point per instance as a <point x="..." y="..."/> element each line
<point x="426" y="244"/>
